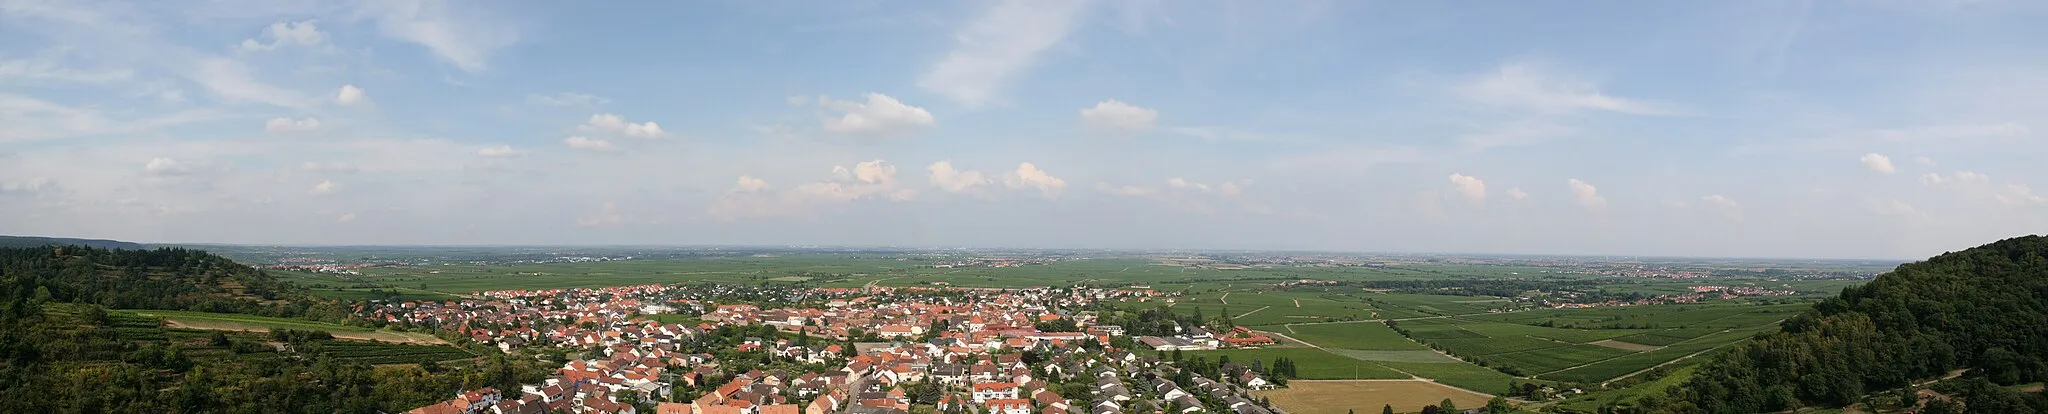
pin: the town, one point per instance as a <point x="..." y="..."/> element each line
<point x="871" y="350"/>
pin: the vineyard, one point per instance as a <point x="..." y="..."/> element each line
<point x="386" y="353"/>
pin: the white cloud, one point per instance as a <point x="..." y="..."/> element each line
<point x="944" y="176"/>
<point x="325" y="187"/>
<point x="1229" y="189"/>
<point x="614" y="124"/>
<point x="1029" y="176"/>
<point x="1878" y="163"/>
<point x="1183" y="184"/>
<point x="1955" y="178"/>
<point x="2020" y="195"/>
<point x="233" y="81"/>
<point x="32" y="185"/>
<point x="1923" y="161"/>
<point x="50" y="66"/>
<point x="749" y="184"/>
<point x="583" y="143"/>
<point x="1114" y="115"/>
<point x="881" y="115"/>
<point x="303" y="33"/>
<point x="1586" y="195"/>
<point x="995" y="46"/>
<point x="1471" y="187"/>
<point x="166" y="166"/>
<point x="338" y="167"/>
<point x="1946" y="137"/>
<point x="1518" y="194"/>
<point x="1527" y="86"/>
<point x="283" y="125"/>
<point x="465" y="38"/>
<point x="500" y="151"/>
<point x="567" y="99"/>
<point x="346" y="217"/>
<point x="1724" y="205"/>
<point x="867" y="179"/>
<point x="350" y="95"/>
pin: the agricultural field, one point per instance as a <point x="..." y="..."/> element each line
<point x="1312" y="363"/>
<point x="1370" y="336"/>
<point x="1350" y="397"/>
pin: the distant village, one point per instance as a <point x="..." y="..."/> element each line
<point x="871" y="350"/>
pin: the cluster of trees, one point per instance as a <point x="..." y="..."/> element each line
<point x="1980" y="311"/>
<point x="61" y="351"/>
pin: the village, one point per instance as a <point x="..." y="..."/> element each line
<point x="872" y="350"/>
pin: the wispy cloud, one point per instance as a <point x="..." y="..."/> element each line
<point x="995" y="47"/>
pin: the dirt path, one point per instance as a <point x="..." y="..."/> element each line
<point x="1252" y="312"/>
<point x="1225" y="298"/>
<point x="1297" y="303"/>
<point x="1672" y="361"/>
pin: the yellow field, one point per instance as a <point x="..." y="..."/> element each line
<point x="1367" y="396"/>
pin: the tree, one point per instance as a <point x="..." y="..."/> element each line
<point x="1447" y="406"/>
<point x="1499" y="405"/>
<point x="1387" y="409"/>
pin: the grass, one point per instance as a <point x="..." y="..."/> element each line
<point x="385" y="353"/>
<point x="1341" y="397"/>
<point x="1314" y="364"/>
<point x="1459" y="374"/>
<point x="669" y="318"/>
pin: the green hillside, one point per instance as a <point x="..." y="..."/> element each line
<point x="1979" y="314"/>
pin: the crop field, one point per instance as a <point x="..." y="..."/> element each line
<point x="1342" y="397"/>
<point x="1458" y="374"/>
<point x="1371" y="336"/>
<point x="1312" y="363"/>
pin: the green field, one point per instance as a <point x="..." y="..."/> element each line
<point x="1370" y="336"/>
<point x="1312" y="363"/>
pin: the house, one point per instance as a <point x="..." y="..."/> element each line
<point x="672" y="408"/>
<point x="1009" y="406"/>
<point x="1253" y="381"/>
<point x="983" y="392"/>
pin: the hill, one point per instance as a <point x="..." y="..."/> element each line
<point x="1979" y="314"/>
<point x="32" y="241"/>
<point x="62" y="350"/>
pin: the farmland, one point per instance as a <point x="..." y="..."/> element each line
<point x="1474" y="324"/>
<point x="253" y="323"/>
<point x="1339" y="397"/>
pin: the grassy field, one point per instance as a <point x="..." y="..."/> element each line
<point x="1342" y="397"/>
<point x="1312" y="363"/>
<point x="253" y="323"/>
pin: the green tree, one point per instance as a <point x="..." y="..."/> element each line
<point x="1387" y="409"/>
<point x="1447" y="406"/>
<point x="1499" y="405"/>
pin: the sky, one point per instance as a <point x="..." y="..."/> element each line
<point x="1855" y="129"/>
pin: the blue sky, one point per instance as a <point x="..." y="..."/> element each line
<point x="1875" y="129"/>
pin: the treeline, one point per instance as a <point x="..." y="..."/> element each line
<point x="165" y="278"/>
<point x="1983" y="311"/>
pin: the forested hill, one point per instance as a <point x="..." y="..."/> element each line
<point x="1984" y="310"/>
<point x="31" y="241"/>
<point x="163" y="278"/>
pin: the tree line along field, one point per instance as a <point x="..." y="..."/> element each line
<point x="200" y="344"/>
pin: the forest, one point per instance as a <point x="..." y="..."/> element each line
<point x="61" y="351"/>
<point x="1964" y="326"/>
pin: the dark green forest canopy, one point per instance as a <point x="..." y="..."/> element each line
<point x="1984" y="310"/>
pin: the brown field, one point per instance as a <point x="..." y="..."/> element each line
<point x="1610" y="343"/>
<point x="1367" y="396"/>
<point x="385" y="336"/>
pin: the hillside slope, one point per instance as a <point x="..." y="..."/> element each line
<point x="33" y="241"/>
<point x="1984" y="310"/>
